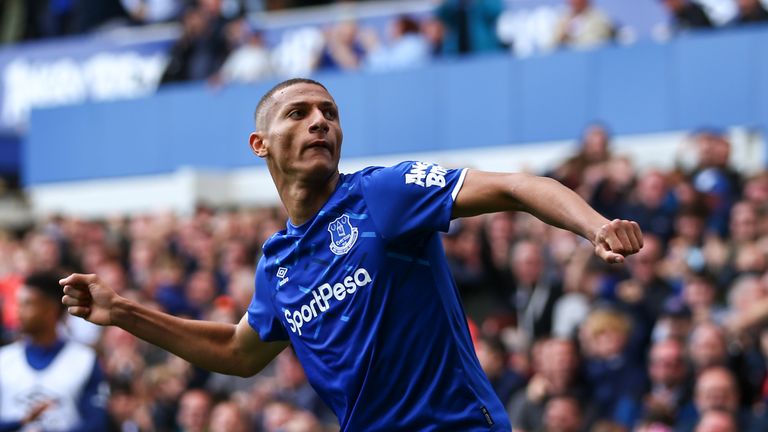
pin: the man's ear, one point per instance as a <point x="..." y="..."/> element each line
<point x="258" y="146"/>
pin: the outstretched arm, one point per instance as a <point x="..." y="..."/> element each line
<point x="553" y="203"/>
<point x="233" y="349"/>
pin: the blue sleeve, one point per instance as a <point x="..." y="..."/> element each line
<point x="261" y="312"/>
<point x="10" y="426"/>
<point x="92" y="405"/>
<point x="411" y="197"/>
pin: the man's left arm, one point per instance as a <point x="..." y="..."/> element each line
<point x="92" y="404"/>
<point x="553" y="203"/>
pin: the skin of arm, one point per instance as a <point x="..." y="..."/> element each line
<point x="553" y="203"/>
<point x="234" y="349"/>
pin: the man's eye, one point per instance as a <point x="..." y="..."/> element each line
<point x="330" y="114"/>
<point x="295" y="114"/>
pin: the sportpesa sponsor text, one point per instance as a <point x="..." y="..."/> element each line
<point x="321" y="296"/>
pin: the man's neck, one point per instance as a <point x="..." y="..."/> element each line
<point x="44" y="339"/>
<point x="303" y="199"/>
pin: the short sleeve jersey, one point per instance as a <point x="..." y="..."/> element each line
<point x="364" y="294"/>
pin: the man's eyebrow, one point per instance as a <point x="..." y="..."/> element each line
<point x="303" y="104"/>
<point x="293" y="105"/>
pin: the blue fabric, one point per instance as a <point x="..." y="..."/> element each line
<point x="40" y="357"/>
<point x="10" y="426"/>
<point x="92" y="403"/>
<point x="364" y="294"/>
<point x="481" y="17"/>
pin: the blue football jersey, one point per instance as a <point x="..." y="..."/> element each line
<point x="364" y="294"/>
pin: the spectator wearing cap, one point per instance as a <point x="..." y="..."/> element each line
<point x="47" y="383"/>
<point x="715" y="179"/>
<point x="675" y="321"/>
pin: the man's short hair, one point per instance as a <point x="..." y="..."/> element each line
<point x="261" y="106"/>
<point x="47" y="284"/>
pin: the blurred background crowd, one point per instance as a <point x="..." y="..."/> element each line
<point x="674" y="340"/>
<point x="672" y="337"/>
<point x="218" y="39"/>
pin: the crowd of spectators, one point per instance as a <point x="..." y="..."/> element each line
<point x="220" y="42"/>
<point x="455" y="27"/>
<point x="673" y="340"/>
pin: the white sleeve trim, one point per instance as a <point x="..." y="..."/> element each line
<point x="459" y="184"/>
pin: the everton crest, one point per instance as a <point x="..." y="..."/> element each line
<point x="343" y="235"/>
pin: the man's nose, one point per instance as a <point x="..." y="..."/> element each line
<point x="319" y="122"/>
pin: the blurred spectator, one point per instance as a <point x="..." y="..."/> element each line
<point x="715" y="179"/>
<point x="674" y="322"/>
<point x="533" y="295"/>
<point x="227" y="416"/>
<point x="194" y="411"/>
<point x="126" y="412"/>
<point x="47" y="383"/>
<point x="746" y="291"/>
<point x="469" y="25"/>
<point x="563" y="414"/>
<point x="434" y="31"/>
<point x="717" y="390"/>
<point x="493" y="359"/>
<point x="582" y="279"/>
<point x="202" y="47"/>
<point x="750" y="11"/>
<point x="610" y="372"/>
<point x="582" y="171"/>
<point x="407" y="47"/>
<point x="343" y="48"/>
<point x="669" y="391"/>
<point x="583" y="26"/>
<point x="166" y="385"/>
<point x="250" y="59"/>
<point x="293" y="387"/>
<point x="645" y="288"/>
<point x="700" y="295"/>
<point x="709" y="347"/>
<point x="556" y="366"/>
<point x="651" y="205"/>
<point x="686" y="15"/>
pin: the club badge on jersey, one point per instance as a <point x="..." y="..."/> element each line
<point x="343" y="235"/>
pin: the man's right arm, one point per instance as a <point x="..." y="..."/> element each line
<point x="234" y="349"/>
